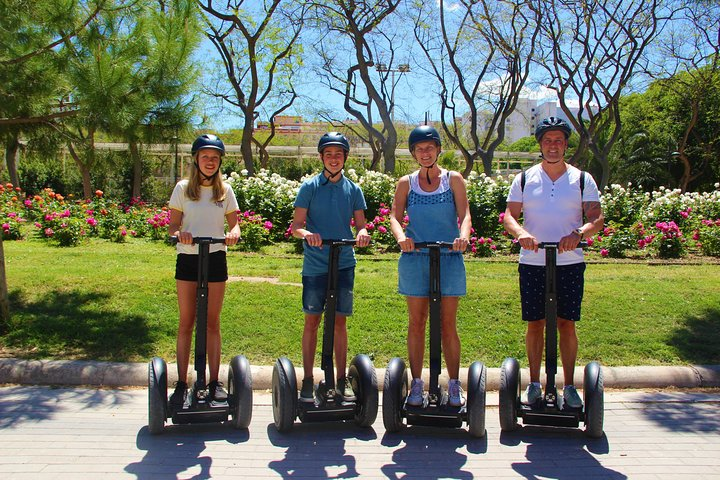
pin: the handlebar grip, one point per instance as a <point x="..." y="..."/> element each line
<point x="345" y="241"/>
<point x="433" y="244"/>
<point x="582" y="244"/>
<point x="198" y="240"/>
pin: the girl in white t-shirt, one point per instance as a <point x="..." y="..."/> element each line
<point x="199" y="207"/>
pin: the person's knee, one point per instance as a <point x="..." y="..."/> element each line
<point x="536" y="327"/>
<point x="312" y="322"/>
<point x="566" y="327"/>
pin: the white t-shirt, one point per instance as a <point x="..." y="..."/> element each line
<point x="202" y="218"/>
<point x="552" y="210"/>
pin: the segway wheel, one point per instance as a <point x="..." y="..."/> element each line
<point x="395" y="390"/>
<point x="364" y="382"/>
<point x="593" y="391"/>
<point x="284" y="394"/>
<point x="241" y="394"/>
<point x="477" y="379"/>
<point x="509" y="394"/>
<point x="157" y="395"/>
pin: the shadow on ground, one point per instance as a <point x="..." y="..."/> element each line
<point x="317" y="450"/>
<point x="697" y="338"/>
<point x="79" y="324"/>
<point x="431" y="453"/>
<point x="560" y="453"/>
<point x="181" y="447"/>
<point x="21" y="404"/>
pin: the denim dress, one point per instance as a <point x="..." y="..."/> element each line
<point x="432" y="218"/>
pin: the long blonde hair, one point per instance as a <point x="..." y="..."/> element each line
<point x="194" y="184"/>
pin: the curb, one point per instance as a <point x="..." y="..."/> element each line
<point x="112" y="374"/>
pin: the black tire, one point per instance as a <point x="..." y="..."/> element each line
<point x="509" y="394"/>
<point x="593" y="391"/>
<point x="364" y="382"/>
<point x="477" y="379"/>
<point x="284" y="394"/>
<point x="157" y="395"/>
<point x="240" y="392"/>
<point x="394" y="392"/>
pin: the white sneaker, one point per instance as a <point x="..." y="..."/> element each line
<point x="457" y="399"/>
<point x="415" y="398"/>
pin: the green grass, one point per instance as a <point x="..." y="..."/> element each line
<point x="117" y="302"/>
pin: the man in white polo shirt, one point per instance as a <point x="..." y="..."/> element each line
<point x="556" y="207"/>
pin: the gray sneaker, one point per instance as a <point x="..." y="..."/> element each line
<point x="533" y="393"/>
<point x="457" y="399"/>
<point x="415" y="398"/>
<point x="307" y="392"/>
<point x="571" y="398"/>
<point x="344" y="388"/>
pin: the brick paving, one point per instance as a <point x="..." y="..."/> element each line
<point x="71" y="433"/>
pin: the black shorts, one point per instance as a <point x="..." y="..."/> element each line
<point x="570" y="285"/>
<point x="186" y="267"/>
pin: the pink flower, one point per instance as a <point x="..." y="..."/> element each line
<point x="590" y="241"/>
<point x="604" y="252"/>
<point x="696" y="236"/>
<point x="493" y="247"/>
<point x="28" y="203"/>
<point x="382" y="229"/>
<point x="92" y="222"/>
<point x="49" y="232"/>
<point x="268" y="225"/>
<point x="6" y="226"/>
<point x="684" y="214"/>
<point x="501" y="217"/>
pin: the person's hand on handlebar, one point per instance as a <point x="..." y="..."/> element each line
<point x="185" y="238"/>
<point x="406" y="245"/>
<point x="231" y="238"/>
<point x="362" y="239"/>
<point x="569" y="242"/>
<point x="460" y="244"/>
<point x="313" y="239"/>
<point x="528" y="242"/>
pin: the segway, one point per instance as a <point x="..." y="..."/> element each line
<point x="198" y="408"/>
<point x="549" y="410"/>
<point x="328" y="405"/>
<point x="435" y="409"/>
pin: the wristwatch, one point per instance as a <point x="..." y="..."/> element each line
<point x="579" y="232"/>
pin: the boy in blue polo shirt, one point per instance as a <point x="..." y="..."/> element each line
<point x="324" y="206"/>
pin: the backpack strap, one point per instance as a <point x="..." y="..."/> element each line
<point x="582" y="183"/>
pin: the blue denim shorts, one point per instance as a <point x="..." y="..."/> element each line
<point x="315" y="292"/>
<point x="569" y="282"/>
<point x="414" y="275"/>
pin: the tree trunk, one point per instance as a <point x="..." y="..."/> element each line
<point x="246" y="146"/>
<point x="389" y="147"/>
<point x="84" y="171"/>
<point x="137" y="169"/>
<point x="11" y="156"/>
<point x="4" y="302"/>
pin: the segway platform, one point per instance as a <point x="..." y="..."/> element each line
<point x="550" y="410"/>
<point x="435" y="410"/>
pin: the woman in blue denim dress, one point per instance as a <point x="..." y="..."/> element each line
<point x="437" y="207"/>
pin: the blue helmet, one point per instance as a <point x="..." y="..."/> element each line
<point x="334" y="138"/>
<point x="207" y="140"/>
<point x="552" y="123"/>
<point x="422" y="133"/>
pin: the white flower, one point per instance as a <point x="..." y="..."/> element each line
<point x="244" y="172"/>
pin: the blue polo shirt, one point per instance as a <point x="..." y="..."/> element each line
<point x="330" y="208"/>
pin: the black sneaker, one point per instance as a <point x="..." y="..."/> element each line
<point x="217" y="391"/>
<point x="307" y="393"/>
<point x="177" y="399"/>
<point x="344" y="388"/>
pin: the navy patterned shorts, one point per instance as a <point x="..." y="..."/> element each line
<point x="570" y="283"/>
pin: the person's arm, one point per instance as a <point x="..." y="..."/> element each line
<point x="462" y="206"/>
<point x="513" y="227"/>
<point x="233" y="234"/>
<point x="397" y="212"/>
<point x="174" y="227"/>
<point x="362" y="237"/>
<point x="299" y="230"/>
<point x="595" y="221"/>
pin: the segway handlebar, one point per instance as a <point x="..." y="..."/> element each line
<point x="433" y="244"/>
<point x="198" y="240"/>
<point x="557" y="244"/>
<point x="345" y="241"/>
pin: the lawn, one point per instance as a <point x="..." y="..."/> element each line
<point x="116" y="302"/>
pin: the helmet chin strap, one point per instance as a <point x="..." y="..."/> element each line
<point x="427" y="172"/>
<point x="330" y="174"/>
<point x="211" y="177"/>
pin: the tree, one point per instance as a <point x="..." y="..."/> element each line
<point x="690" y="88"/>
<point x="33" y="35"/>
<point x="358" y="61"/>
<point x="589" y="52"/>
<point x="480" y="54"/>
<point x="257" y="46"/>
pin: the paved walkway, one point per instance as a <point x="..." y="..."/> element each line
<point x="71" y="433"/>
